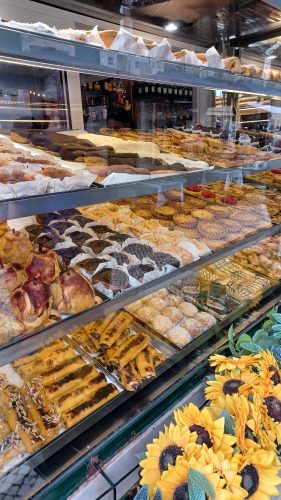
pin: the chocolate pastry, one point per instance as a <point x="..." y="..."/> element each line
<point x="140" y="270"/>
<point x="163" y="259"/>
<point x="82" y="221"/>
<point x="60" y="226"/>
<point x="139" y="250"/>
<point x="34" y="230"/>
<point x="67" y="254"/>
<point x="113" y="160"/>
<point x="79" y="238"/>
<point x="118" y="237"/>
<point x="69" y="213"/>
<point x="72" y="155"/>
<point x="113" y="279"/>
<point x="39" y="139"/>
<point x="178" y="167"/>
<point x="121" y="258"/>
<point x="91" y="265"/>
<point x="99" y="229"/>
<point x="98" y="246"/>
<point x="48" y="217"/>
<point x="48" y="240"/>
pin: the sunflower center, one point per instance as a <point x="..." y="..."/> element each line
<point x="232" y="386"/>
<point x="169" y="456"/>
<point x="273" y="406"/>
<point x="275" y="377"/>
<point x="250" y="479"/>
<point x="181" y="492"/>
<point x="250" y="435"/>
<point x="203" y="437"/>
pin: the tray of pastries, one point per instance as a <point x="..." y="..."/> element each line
<point x="43" y="394"/>
<point x="265" y="257"/>
<point x="207" y="296"/>
<point x="271" y="178"/>
<point x="171" y="317"/>
<point x="120" y="344"/>
<point x="241" y="283"/>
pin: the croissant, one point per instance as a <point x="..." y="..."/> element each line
<point x="72" y="293"/>
<point x="32" y="304"/>
<point x="15" y="247"/>
<point x="42" y="265"/>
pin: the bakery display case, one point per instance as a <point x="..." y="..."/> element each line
<point x="128" y="244"/>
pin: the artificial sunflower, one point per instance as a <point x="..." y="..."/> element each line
<point x="259" y="473"/>
<point x="164" y="450"/>
<point x="239" y="408"/>
<point x="234" y="382"/>
<point x="260" y="425"/>
<point x="222" y="363"/>
<point x="174" y="482"/>
<point x="268" y="369"/>
<point x="209" y="431"/>
<point x="270" y="408"/>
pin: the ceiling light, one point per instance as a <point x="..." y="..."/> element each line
<point x="171" y="27"/>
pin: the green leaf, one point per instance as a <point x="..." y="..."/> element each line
<point x="251" y="347"/>
<point x="143" y="494"/>
<point x="277" y="335"/>
<point x="243" y="338"/>
<point x="268" y="324"/>
<point x="267" y="343"/>
<point x="276" y="317"/>
<point x="197" y="478"/>
<point x="228" y="422"/>
<point x="158" y="495"/>
<point x="195" y="493"/>
<point x="258" y="335"/>
<point x="276" y="328"/>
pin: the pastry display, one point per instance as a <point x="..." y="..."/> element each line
<point x="263" y="257"/>
<point x="120" y="344"/>
<point x="171" y="316"/>
<point x="269" y="178"/>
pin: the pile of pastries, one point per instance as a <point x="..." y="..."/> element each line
<point x="262" y="203"/>
<point x="122" y="346"/>
<point x="101" y="157"/>
<point x="197" y="146"/>
<point x="270" y="177"/>
<point x="169" y="315"/>
<point x="46" y="391"/>
<point x="263" y="257"/>
<point x="241" y="283"/>
<point x="23" y="173"/>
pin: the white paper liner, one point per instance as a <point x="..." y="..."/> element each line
<point x="83" y="271"/>
<point x="124" y="42"/>
<point x="71" y="183"/>
<point x="190" y="58"/>
<point x="162" y="50"/>
<point x="76" y="227"/>
<point x="93" y="37"/>
<point x="140" y="47"/>
<point x="64" y="244"/>
<point x="214" y="60"/>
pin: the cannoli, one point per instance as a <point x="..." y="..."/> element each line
<point x="129" y="377"/>
<point x="17" y="415"/>
<point x="98" y="399"/>
<point x="157" y="357"/>
<point x="129" y="350"/>
<point x="61" y="370"/>
<point x="114" y="330"/>
<point x="69" y="399"/>
<point x="144" y="362"/>
<point x="41" y="353"/>
<point x="119" y="342"/>
<point x="10" y="447"/>
<point x="69" y="381"/>
<point x="41" y="411"/>
<point x="87" y="342"/>
<point x="100" y="325"/>
<point x="51" y="361"/>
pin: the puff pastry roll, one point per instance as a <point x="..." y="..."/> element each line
<point x="98" y="399"/>
<point x="69" y="381"/>
<point x="85" y="340"/>
<point x="114" y="330"/>
<point x="129" y="377"/>
<point x="144" y="362"/>
<point x="41" y="353"/>
<point x="72" y="398"/>
<point x="41" y="365"/>
<point x="129" y="350"/>
<point x="61" y="370"/>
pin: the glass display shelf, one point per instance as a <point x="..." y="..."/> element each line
<point x="26" y="343"/>
<point x="30" y="48"/>
<point x="32" y="205"/>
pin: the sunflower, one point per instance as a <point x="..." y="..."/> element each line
<point x="240" y="409"/>
<point x="268" y="369"/>
<point x="209" y="431"/>
<point x="270" y="408"/>
<point x="164" y="450"/>
<point x="260" y="425"/>
<point x="259" y="473"/>
<point x="222" y="363"/>
<point x="234" y="382"/>
<point x="174" y="482"/>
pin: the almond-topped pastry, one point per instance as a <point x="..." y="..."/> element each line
<point x="202" y="214"/>
<point x="42" y="265"/>
<point x="165" y="211"/>
<point x="72" y="293"/>
<point x="187" y="221"/>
